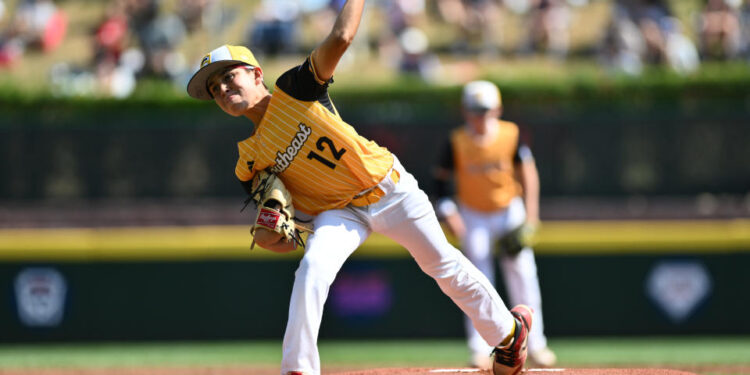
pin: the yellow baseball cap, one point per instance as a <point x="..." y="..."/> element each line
<point x="215" y="61"/>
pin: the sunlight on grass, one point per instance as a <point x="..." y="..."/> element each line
<point x="653" y="351"/>
<point x="138" y="354"/>
<point x="571" y="352"/>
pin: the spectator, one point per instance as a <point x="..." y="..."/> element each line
<point x="110" y="36"/>
<point x="623" y="45"/>
<point x="402" y="14"/>
<point x="196" y="13"/>
<point x="319" y="16"/>
<point x="141" y="13"/>
<point x="40" y="24"/>
<point x="158" y="36"/>
<point x="653" y="18"/>
<point x="404" y="45"/>
<point x="160" y="40"/>
<point x="36" y="24"/>
<point x="113" y="77"/>
<point x="107" y="75"/>
<point x="665" y="41"/>
<point x="478" y="23"/>
<point x="645" y="31"/>
<point x="273" y="30"/>
<point x="744" y="14"/>
<point x="719" y="30"/>
<point x="548" y="26"/>
<point x="414" y="55"/>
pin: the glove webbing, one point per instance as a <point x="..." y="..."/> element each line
<point x="262" y="186"/>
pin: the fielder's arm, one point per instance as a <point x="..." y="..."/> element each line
<point x="529" y="177"/>
<point x="445" y="206"/>
<point x="327" y="55"/>
<point x="447" y="210"/>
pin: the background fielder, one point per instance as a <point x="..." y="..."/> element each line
<point x="498" y="198"/>
<point x="350" y="186"/>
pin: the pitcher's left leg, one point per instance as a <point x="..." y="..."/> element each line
<point x="407" y="217"/>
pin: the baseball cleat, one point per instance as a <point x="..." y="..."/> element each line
<point x="509" y="359"/>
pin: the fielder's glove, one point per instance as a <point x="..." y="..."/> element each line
<point x="519" y="238"/>
<point x="274" y="207"/>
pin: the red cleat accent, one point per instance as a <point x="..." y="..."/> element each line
<point x="510" y="359"/>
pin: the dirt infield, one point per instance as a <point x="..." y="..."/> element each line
<point x="272" y="370"/>
<point x="548" y="371"/>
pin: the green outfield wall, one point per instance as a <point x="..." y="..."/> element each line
<point x="194" y="283"/>
<point x="203" y="283"/>
<point x="662" y="139"/>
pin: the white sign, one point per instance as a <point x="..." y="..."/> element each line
<point x="40" y="297"/>
<point x="678" y="287"/>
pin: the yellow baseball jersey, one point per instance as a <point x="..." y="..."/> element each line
<point x="320" y="158"/>
<point x="485" y="172"/>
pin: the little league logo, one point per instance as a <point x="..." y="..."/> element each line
<point x="40" y="297"/>
<point x="679" y="287"/>
<point x="206" y="60"/>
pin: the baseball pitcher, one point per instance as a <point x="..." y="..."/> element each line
<point x="348" y="186"/>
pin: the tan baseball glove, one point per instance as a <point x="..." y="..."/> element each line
<point x="519" y="238"/>
<point x="275" y="210"/>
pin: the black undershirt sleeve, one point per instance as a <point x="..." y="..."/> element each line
<point x="300" y="83"/>
<point x="445" y="161"/>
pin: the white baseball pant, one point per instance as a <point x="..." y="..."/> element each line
<point x="483" y="230"/>
<point x="405" y="215"/>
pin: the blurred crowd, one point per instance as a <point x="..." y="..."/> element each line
<point x="647" y="32"/>
<point x="132" y="39"/>
<point x="143" y="38"/>
<point x="35" y="24"/>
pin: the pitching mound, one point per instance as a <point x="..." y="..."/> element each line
<point x="273" y="370"/>
<point x="548" y="371"/>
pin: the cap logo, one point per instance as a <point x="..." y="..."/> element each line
<point x="206" y="60"/>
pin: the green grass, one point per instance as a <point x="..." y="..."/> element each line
<point x="139" y="354"/>
<point x="589" y="352"/>
<point x="654" y="351"/>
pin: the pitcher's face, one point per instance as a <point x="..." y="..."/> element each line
<point x="237" y="89"/>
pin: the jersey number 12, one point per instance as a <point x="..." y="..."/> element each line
<point x="321" y="145"/>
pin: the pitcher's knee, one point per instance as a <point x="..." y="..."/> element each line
<point x="445" y="267"/>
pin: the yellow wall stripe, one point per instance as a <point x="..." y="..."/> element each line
<point x="233" y="242"/>
<point x="605" y="237"/>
